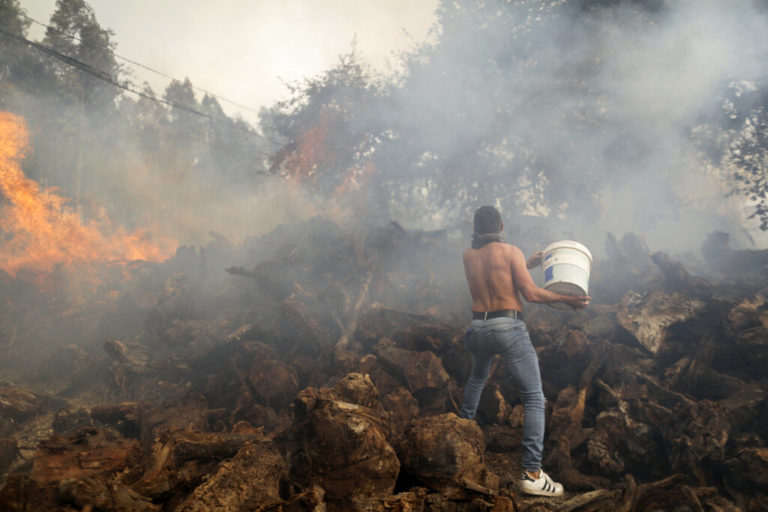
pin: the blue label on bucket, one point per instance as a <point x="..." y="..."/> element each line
<point x="549" y="273"/>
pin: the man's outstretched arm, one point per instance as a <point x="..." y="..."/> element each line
<point x="533" y="293"/>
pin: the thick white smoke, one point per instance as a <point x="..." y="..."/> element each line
<point x="612" y="101"/>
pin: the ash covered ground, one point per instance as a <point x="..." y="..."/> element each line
<point x="319" y="367"/>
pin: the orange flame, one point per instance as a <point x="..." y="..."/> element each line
<point x="38" y="232"/>
<point x="310" y="152"/>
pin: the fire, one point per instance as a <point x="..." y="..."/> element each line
<point x="313" y="156"/>
<point x="353" y="177"/>
<point x="311" y="151"/>
<point x="38" y="231"/>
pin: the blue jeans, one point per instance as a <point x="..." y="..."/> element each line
<point x="509" y="338"/>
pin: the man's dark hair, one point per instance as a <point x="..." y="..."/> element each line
<point x="487" y="220"/>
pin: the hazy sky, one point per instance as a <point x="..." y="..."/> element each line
<point x="244" y="50"/>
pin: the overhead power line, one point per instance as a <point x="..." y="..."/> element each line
<point x="143" y="66"/>
<point x="106" y="77"/>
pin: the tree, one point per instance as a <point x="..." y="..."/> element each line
<point x="83" y="99"/>
<point x="486" y="110"/>
<point x="74" y="32"/>
<point x="185" y="128"/>
<point x="11" y="19"/>
<point x="330" y="127"/>
<point x="490" y="111"/>
<point x="747" y="114"/>
<point x="236" y="150"/>
<point x="21" y="69"/>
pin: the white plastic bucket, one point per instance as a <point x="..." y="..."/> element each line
<point x="566" y="265"/>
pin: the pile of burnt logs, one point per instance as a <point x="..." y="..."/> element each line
<point x="324" y="369"/>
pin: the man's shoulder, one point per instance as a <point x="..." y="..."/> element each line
<point x="507" y="248"/>
<point x="496" y="251"/>
<point x="493" y="246"/>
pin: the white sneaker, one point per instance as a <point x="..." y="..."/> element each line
<point x="542" y="486"/>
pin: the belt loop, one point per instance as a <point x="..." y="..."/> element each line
<point x="485" y="317"/>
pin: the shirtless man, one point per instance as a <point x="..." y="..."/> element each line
<point x="497" y="274"/>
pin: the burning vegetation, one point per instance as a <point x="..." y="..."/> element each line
<point x="325" y="373"/>
<point x="40" y="232"/>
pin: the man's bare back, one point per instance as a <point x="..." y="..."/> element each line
<point x="498" y="276"/>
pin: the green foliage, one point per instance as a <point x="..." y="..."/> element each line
<point x="135" y="158"/>
<point x="507" y="105"/>
<point x="747" y="139"/>
<point x="448" y="135"/>
<point x="18" y="64"/>
<point x="511" y="104"/>
<point x="10" y="19"/>
<point x="74" y="32"/>
<point x="329" y="124"/>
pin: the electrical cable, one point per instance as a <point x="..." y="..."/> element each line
<point x="106" y="77"/>
<point x="160" y="73"/>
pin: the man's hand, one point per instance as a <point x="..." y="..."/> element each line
<point x="578" y="301"/>
<point x="535" y="260"/>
